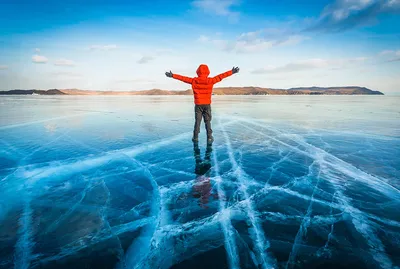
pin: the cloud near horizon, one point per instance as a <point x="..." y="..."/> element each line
<point x="309" y="64"/>
<point x="138" y="80"/>
<point x="145" y="59"/>
<point x="3" y="67"/>
<point x="64" y="62"/>
<point x="66" y="75"/>
<point x="39" y="59"/>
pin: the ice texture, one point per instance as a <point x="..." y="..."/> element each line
<point x="111" y="182"/>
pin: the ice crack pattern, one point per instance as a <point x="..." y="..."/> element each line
<point x="264" y="195"/>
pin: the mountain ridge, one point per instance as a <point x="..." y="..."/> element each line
<point x="250" y="90"/>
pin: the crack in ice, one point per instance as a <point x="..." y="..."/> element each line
<point x="257" y="235"/>
<point x="230" y="244"/>
<point x="40" y="121"/>
<point x="23" y="248"/>
<point x="360" y="222"/>
<point x="305" y="223"/>
<point x="334" y="162"/>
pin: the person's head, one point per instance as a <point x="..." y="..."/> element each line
<point x="203" y="71"/>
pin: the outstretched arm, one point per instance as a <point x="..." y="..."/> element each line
<point x="187" y="80"/>
<point x="179" y="77"/>
<point x="220" y="77"/>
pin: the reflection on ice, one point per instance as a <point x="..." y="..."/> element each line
<point x="262" y="196"/>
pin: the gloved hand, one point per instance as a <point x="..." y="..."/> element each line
<point x="168" y="74"/>
<point x="235" y="70"/>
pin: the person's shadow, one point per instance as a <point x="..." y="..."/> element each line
<point x="202" y="187"/>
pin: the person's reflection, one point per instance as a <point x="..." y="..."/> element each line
<point x="202" y="187"/>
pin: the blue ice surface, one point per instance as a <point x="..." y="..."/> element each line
<point x="115" y="182"/>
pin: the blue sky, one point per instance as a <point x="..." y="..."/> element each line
<point x="128" y="45"/>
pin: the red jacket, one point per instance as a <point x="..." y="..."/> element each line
<point x="202" y="85"/>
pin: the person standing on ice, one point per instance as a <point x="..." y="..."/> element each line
<point x="202" y="86"/>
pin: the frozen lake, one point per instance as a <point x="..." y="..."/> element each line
<point x="115" y="182"/>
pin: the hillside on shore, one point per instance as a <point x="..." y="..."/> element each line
<point x="349" y="90"/>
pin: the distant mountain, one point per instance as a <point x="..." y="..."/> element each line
<point x="147" y="92"/>
<point x="32" y="92"/>
<point x="349" y="90"/>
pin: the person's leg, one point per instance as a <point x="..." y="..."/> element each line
<point x="197" y="116"/>
<point x="207" y="120"/>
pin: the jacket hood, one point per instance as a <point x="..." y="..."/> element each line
<point x="203" y="71"/>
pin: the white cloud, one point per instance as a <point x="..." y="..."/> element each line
<point x="218" y="7"/>
<point x="292" y="40"/>
<point x="3" y="67"/>
<point x="134" y="81"/>
<point x="39" y="59"/>
<point x="64" y="62"/>
<point x="346" y="14"/>
<point x="103" y="47"/>
<point x="390" y="55"/>
<point x="145" y="59"/>
<point x="219" y="43"/>
<point x="390" y="52"/>
<point x="69" y="75"/>
<point x="256" y="41"/>
<point x="393" y="4"/>
<point x="203" y="38"/>
<point x="163" y="51"/>
<point x="310" y="64"/>
<point x="343" y="9"/>
<point x="387" y="52"/>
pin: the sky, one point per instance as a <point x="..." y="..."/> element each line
<point x="129" y="45"/>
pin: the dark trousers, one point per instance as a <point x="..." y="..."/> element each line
<point x="202" y="111"/>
